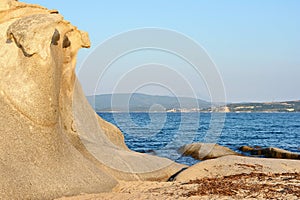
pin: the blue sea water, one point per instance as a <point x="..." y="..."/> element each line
<point x="163" y="133"/>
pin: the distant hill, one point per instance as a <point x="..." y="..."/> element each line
<point x="143" y="102"/>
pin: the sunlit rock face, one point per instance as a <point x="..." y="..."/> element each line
<point x="52" y="143"/>
<point x="36" y="159"/>
<point x="235" y="165"/>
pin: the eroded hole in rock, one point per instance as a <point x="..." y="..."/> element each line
<point x="55" y="37"/>
<point x="8" y="41"/>
<point x="66" y="42"/>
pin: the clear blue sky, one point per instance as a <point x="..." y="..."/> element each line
<point x="254" y="43"/>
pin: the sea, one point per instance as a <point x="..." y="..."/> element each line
<point x="162" y="134"/>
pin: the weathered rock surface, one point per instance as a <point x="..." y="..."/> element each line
<point x="233" y="165"/>
<point x="270" y="152"/>
<point x="36" y="160"/>
<point x="205" y="151"/>
<point x="52" y="143"/>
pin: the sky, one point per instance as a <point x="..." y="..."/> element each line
<point x="254" y="44"/>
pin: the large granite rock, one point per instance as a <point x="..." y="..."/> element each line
<point x="52" y="143"/>
<point x="36" y="159"/>
<point x="205" y="151"/>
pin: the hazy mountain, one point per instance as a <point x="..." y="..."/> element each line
<point x="143" y="102"/>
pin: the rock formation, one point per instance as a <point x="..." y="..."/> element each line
<point x="234" y="165"/>
<point x="205" y="151"/>
<point x="270" y="152"/>
<point x="52" y="143"/>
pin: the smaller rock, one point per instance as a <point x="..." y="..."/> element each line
<point x="270" y="152"/>
<point x="246" y="148"/>
<point x="205" y="151"/>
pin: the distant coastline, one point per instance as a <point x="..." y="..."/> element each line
<point x="140" y="103"/>
<point x="267" y="107"/>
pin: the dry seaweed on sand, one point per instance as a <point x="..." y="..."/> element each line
<point x="249" y="185"/>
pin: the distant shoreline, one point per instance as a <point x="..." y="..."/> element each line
<point x="194" y="112"/>
<point x="150" y="103"/>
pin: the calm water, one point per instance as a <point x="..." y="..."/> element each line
<point x="163" y="133"/>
